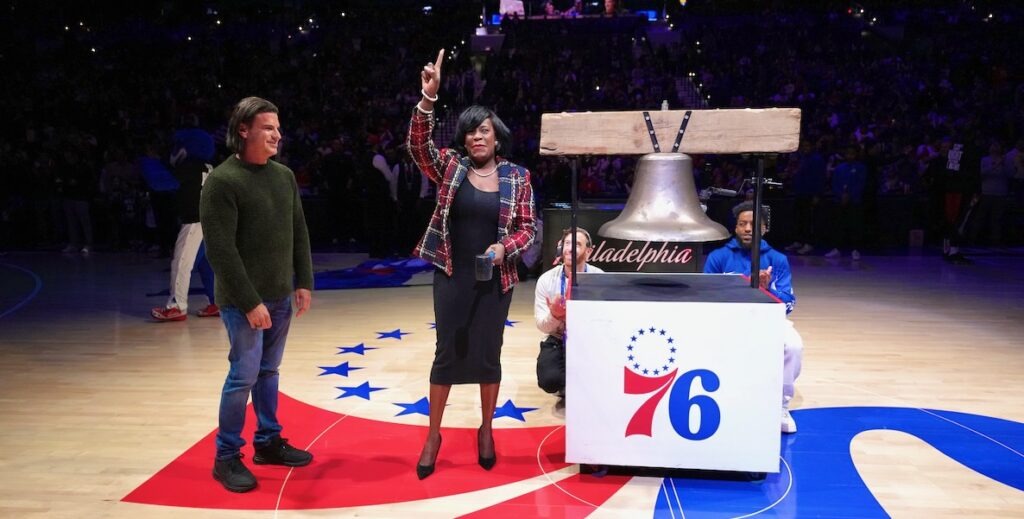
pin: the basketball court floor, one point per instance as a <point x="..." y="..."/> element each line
<point x="911" y="403"/>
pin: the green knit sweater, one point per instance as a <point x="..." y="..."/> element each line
<point x="255" y="232"/>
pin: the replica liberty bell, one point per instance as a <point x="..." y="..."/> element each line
<point x="663" y="205"/>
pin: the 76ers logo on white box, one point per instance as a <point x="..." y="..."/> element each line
<point x="651" y="368"/>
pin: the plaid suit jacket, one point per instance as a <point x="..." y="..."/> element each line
<point x="446" y="168"/>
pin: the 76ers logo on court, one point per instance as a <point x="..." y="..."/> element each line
<point x="652" y="359"/>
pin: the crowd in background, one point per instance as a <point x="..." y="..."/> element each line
<point x="885" y="94"/>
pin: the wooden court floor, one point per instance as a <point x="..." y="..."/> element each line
<point x="96" y="398"/>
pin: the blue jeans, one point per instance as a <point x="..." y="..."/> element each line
<point x="255" y="356"/>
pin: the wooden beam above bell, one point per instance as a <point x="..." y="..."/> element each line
<point x="747" y="130"/>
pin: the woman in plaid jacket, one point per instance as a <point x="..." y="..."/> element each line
<point x="484" y="206"/>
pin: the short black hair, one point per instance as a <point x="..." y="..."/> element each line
<point x="472" y="117"/>
<point x="743" y="207"/>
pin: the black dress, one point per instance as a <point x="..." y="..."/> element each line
<point x="470" y="314"/>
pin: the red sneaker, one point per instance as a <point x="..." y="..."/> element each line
<point x="168" y="314"/>
<point x="211" y="310"/>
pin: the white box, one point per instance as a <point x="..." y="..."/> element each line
<point x="729" y="349"/>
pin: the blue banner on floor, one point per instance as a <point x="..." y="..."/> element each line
<point x="372" y="274"/>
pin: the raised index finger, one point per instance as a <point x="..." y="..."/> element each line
<point x="440" y="59"/>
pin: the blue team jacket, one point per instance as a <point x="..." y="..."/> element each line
<point x="734" y="259"/>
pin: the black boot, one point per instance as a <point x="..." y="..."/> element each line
<point x="278" y="452"/>
<point x="234" y="475"/>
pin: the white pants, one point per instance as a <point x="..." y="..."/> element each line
<point x="190" y="237"/>
<point x="793" y="356"/>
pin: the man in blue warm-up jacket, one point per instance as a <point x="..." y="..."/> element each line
<point x="775" y="277"/>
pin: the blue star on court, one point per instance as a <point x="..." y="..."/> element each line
<point x="510" y="410"/>
<point x="342" y="369"/>
<point x="433" y="326"/>
<point x="397" y="333"/>
<point x="421" y="406"/>
<point x="359" y="349"/>
<point x="362" y="391"/>
<point x="510" y="324"/>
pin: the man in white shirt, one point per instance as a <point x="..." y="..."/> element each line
<point x="549" y="308"/>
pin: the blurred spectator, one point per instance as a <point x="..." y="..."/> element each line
<point x="996" y="172"/>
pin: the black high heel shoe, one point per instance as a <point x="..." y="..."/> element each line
<point x="486" y="463"/>
<point x="422" y="471"/>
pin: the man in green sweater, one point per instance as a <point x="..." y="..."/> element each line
<point x="258" y="245"/>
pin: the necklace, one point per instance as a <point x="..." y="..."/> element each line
<point x="481" y="175"/>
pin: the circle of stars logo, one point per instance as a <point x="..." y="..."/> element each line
<point x="651" y="352"/>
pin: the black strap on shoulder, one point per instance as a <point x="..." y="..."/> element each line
<point x="650" y="131"/>
<point x="682" y="130"/>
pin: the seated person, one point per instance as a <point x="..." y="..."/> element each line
<point x="775" y="277"/>
<point x="549" y="308"/>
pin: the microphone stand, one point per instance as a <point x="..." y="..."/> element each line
<point x="572" y="261"/>
<point x="755" y="248"/>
